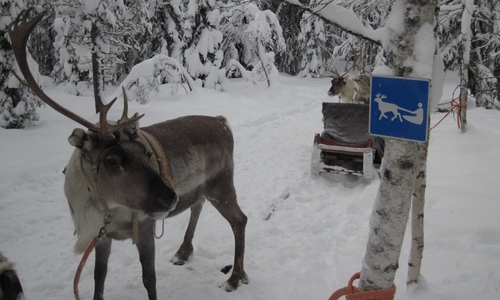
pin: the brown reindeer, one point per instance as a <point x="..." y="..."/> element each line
<point x="120" y="178"/>
<point x="350" y="90"/>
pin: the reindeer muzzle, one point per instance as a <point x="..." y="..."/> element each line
<point x="165" y="204"/>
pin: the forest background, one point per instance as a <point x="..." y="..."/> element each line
<point x="211" y="40"/>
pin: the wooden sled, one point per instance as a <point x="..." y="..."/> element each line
<point x="345" y="147"/>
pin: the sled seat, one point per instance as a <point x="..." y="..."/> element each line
<point x="345" y="146"/>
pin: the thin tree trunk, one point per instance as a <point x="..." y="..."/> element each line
<point x="390" y="215"/>
<point x="95" y="67"/>
<point x="261" y="54"/>
<point x="417" y="216"/>
<point x="463" y="96"/>
<point x="466" y="52"/>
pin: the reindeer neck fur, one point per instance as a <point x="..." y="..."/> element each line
<point x="348" y="92"/>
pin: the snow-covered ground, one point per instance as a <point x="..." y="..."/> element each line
<point x="306" y="235"/>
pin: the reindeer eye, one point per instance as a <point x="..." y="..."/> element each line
<point x="112" y="161"/>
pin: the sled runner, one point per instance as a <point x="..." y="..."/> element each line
<point x="344" y="146"/>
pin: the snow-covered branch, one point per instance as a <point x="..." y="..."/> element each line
<point x="344" y="19"/>
<point x="143" y="76"/>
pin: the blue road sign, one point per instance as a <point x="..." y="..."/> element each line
<point x="399" y="107"/>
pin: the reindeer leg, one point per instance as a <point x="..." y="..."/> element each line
<point x="10" y="285"/>
<point x="146" y="249"/>
<point x="102" y="251"/>
<point x="223" y="198"/>
<point x="186" y="249"/>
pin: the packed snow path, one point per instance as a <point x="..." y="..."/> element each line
<point x="306" y="235"/>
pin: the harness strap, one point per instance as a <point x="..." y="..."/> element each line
<point x="161" y="166"/>
<point x="95" y="171"/>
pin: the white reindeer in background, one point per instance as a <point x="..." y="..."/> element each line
<point x="350" y="90"/>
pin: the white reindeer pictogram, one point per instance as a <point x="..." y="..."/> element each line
<point x="415" y="117"/>
<point x="385" y="107"/>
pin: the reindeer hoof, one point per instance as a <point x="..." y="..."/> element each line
<point x="179" y="260"/>
<point x="231" y="284"/>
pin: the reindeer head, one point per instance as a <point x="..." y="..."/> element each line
<point x="112" y="161"/>
<point x="339" y="81"/>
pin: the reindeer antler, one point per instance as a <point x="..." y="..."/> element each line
<point x="334" y="70"/>
<point x="354" y="59"/>
<point x="335" y="74"/>
<point x="105" y="128"/>
<point x="19" y="32"/>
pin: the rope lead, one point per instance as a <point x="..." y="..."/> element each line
<point x="76" y="280"/>
<point x="353" y="293"/>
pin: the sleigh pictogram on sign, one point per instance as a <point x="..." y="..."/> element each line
<point x="399" y="108"/>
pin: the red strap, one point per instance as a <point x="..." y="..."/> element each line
<point x="86" y="254"/>
<point x="353" y="293"/>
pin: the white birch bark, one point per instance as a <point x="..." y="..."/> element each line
<point x="464" y="79"/>
<point x="392" y="205"/>
<point x="466" y="46"/>
<point x="390" y="215"/>
<point x="417" y="216"/>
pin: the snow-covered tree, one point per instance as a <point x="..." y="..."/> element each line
<point x="315" y="48"/>
<point x="146" y="77"/>
<point x="485" y="58"/>
<point x="41" y="43"/>
<point x="373" y="14"/>
<point x="201" y="53"/>
<point x="322" y="43"/>
<point x="17" y="103"/>
<point x="290" y="17"/>
<point x="471" y="28"/>
<point x="251" y="38"/>
<point x="165" y="24"/>
<point x="145" y="19"/>
<point x="119" y="26"/>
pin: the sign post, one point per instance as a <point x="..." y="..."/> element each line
<point x="399" y="108"/>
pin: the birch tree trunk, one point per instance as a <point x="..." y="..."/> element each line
<point x="417" y="216"/>
<point x="464" y="79"/>
<point x="392" y="204"/>
<point x="464" y="69"/>
<point x="390" y="215"/>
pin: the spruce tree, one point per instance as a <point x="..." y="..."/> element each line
<point x="17" y="103"/>
<point x="252" y="37"/>
<point x="481" y="45"/>
<point x="201" y="53"/>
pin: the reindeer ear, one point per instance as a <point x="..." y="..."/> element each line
<point x="135" y="125"/>
<point x="78" y="138"/>
<point x="132" y="129"/>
